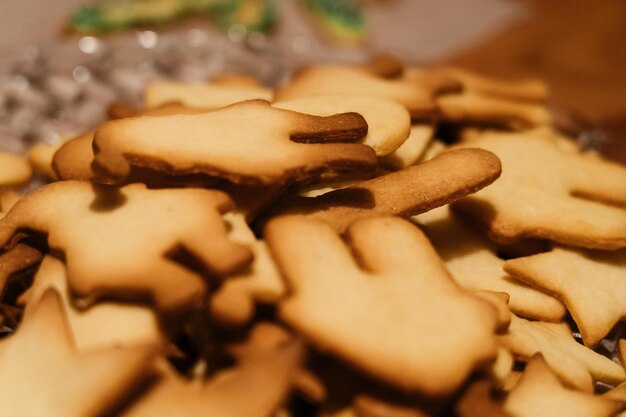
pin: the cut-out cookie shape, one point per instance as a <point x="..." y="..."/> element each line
<point x="208" y="96"/>
<point x="74" y="159"/>
<point x="474" y="265"/>
<point x="418" y="96"/>
<point x="396" y="315"/>
<point x="537" y="195"/>
<point x="539" y="393"/>
<point x="116" y="242"/>
<point x="14" y="170"/>
<point x="233" y="303"/>
<point x="104" y="325"/>
<point x="412" y="149"/>
<point x="388" y="122"/>
<point x="246" y="143"/>
<point x="591" y="284"/>
<point x="266" y="368"/>
<point x="575" y="364"/>
<point x="408" y="192"/>
<point x="17" y="259"/>
<point x="42" y="373"/>
<point x="478" y="401"/>
<point x="40" y="158"/>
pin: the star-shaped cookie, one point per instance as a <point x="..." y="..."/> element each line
<point x="592" y="284"/>
<point x="539" y="393"/>
<point x="42" y="374"/>
<point x="576" y="365"/>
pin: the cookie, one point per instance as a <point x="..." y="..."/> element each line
<point x="540" y="194"/>
<point x="17" y="259"/>
<point x="368" y="406"/>
<point x="478" y="401"/>
<point x="528" y="90"/>
<point x="574" y="364"/>
<point x="74" y="159"/>
<point x="539" y="393"/>
<point x="246" y="143"/>
<point x="408" y="192"/>
<point x="392" y="307"/>
<point x="106" y="324"/>
<point x="202" y="96"/>
<point x="8" y="198"/>
<point x="387" y="121"/>
<point x="133" y="233"/>
<point x="411" y="150"/>
<point x="589" y="283"/>
<point x="418" y="96"/>
<point x="236" y="80"/>
<point x="265" y="369"/>
<point x="40" y="158"/>
<point x="233" y="303"/>
<point x="14" y="170"/>
<point x="59" y="380"/>
<point x="474" y="264"/>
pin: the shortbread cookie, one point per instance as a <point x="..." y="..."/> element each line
<point x="8" y="198"/>
<point x="591" y="285"/>
<point x="411" y="150"/>
<point x="19" y="258"/>
<point x="536" y="196"/>
<point x="201" y="96"/>
<point x="133" y="231"/>
<point x="472" y="107"/>
<point x="74" y="159"/>
<point x="539" y="393"/>
<point x="57" y="380"/>
<point x="478" y="401"/>
<point x="384" y="65"/>
<point x="14" y="170"/>
<point x="474" y="264"/>
<point x="233" y="303"/>
<point x="246" y="143"/>
<point x="106" y="324"/>
<point x="368" y="406"/>
<point x="265" y="372"/>
<point x="388" y="122"/>
<point x="408" y="192"/>
<point x="575" y="364"/>
<point x="236" y="80"/>
<point x="399" y="294"/>
<point x="417" y="96"/>
<point x="40" y="157"/>
<point x="532" y="90"/>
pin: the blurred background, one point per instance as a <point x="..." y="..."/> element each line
<point x="577" y="46"/>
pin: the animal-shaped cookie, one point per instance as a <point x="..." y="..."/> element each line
<point x="209" y="96"/>
<point x="265" y="371"/>
<point x="74" y="159"/>
<point x="408" y="192"/>
<point x="118" y="242"/>
<point x="418" y="96"/>
<point x="412" y="149"/>
<point x="247" y="143"/>
<point x="42" y="373"/>
<point x="539" y="393"/>
<point x="473" y="262"/>
<point x="590" y="283"/>
<point x="387" y="121"/>
<point x="19" y="258"/>
<point x="575" y="364"/>
<point x="104" y="325"/>
<point x="387" y="306"/>
<point x="540" y="194"/>
<point x="14" y="170"/>
<point x="233" y="303"/>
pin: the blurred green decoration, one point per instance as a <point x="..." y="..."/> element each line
<point x="341" y="19"/>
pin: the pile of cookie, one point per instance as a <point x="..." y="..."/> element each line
<point x="364" y="241"/>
